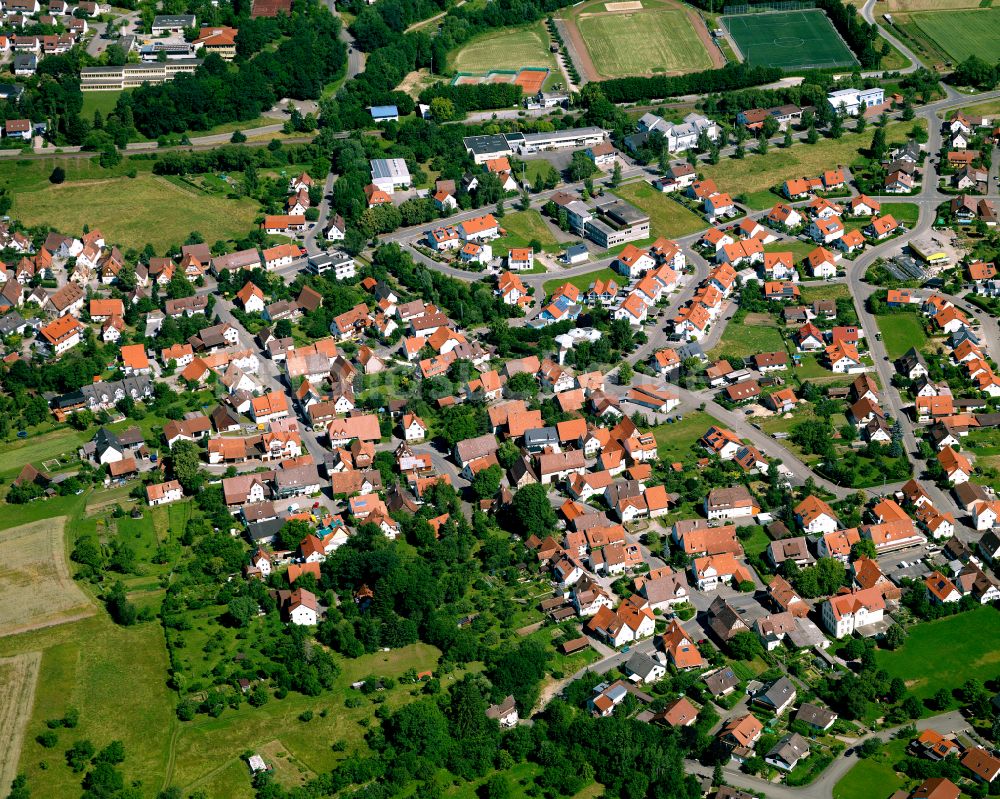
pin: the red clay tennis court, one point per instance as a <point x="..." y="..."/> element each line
<point x="531" y="80"/>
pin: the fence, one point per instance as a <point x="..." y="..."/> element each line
<point x="763" y="8"/>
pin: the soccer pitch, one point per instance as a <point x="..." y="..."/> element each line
<point x="962" y="33"/>
<point x="789" y="39"/>
<point x="644" y="42"/>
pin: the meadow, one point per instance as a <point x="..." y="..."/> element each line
<point x="754" y="176"/>
<point x="969" y="639"/>
<point x="523" y="227"/>
<point x="756" y="333"/>
<point x="667" y="216"/>
<point x="135" y="211"/>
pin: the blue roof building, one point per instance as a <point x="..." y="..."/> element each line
<point x="385" y="113"/>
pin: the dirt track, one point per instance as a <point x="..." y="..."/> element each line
<point x="18" y="676"/>
<point x="700" y="28"/>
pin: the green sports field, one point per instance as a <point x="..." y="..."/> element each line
<point x="961" y="34"/>
<point x="789" y="39"/>
<point x="647" y="41"/>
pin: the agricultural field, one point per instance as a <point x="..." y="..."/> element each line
<point x="969" y="640"/>
<point x="116" y="678"/>
<point x="962" y="33"/>
<point x="582" y="282"/>
<point x="667" y="217"/>
<point x="31" y="175"/>
<point x="144" y="210"/>
<point x="931" y="5"/>
<point x="789" y="39"/>
<point x="36" y="589"/>
<point x="649" y="40"/>
<point x="900" y="332"/>
<point x="511" y="48"/>
<point x="18" y="675"/>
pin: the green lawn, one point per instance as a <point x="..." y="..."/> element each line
<point x="900" y="332"/>
<point x="907" y="213"/>
<point x="869" y="779"/>
<point x="521" y="228"/>
<point x="757" y="333"/>
<point x="134" y="212"/>
<point x="643" y="42"/>
<point x="104" y="102"/>
<point x="757" y="542"/>
<point x="673" y="441"/>
<point x="667" y="217"/>
<point x="962" y="33"/>
<point x="812" y="370"/>
<point x="969" y="640"/>
<point x="582" y="282"/>
<point x="510" y="48"/>
<point x="799" y="249"/>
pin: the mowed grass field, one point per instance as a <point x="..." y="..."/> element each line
<point x="510" y="48"/>
<point x="35" y="586"/>
<point x="642" y="42"/>
<point x="789" y="39"/>
<point x="135" y="212"/>
<point x="17" y="686"/>
<point x="900" y="332"/>
<point x="969" y="639"/>
<point x="962" y="33"/>
<point x="667" y="217"/>
<point x="104" y="102"/>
